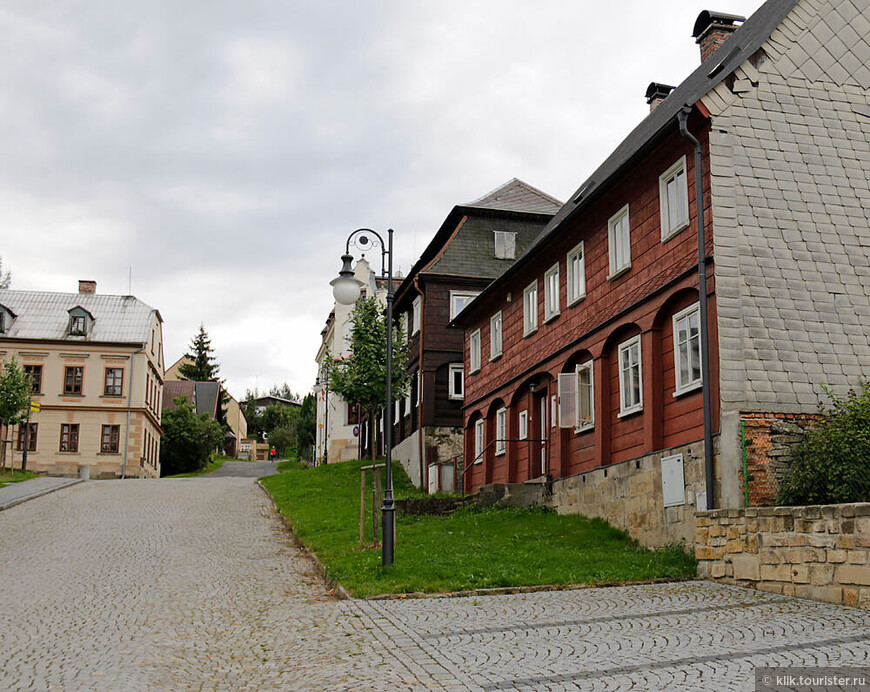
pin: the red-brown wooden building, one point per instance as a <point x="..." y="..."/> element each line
<point x="596" y="380"/>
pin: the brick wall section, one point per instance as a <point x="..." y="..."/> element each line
<point x="770" y="442"/>
<point x="818" y="552"/>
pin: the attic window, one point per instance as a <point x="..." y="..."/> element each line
<point x="505" y="244"/>
<point x="6" y="318"/>
<point x="77" y="325"/>
<point x="80" y="321"/>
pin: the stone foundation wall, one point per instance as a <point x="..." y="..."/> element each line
<point x="817" y="552"/>
<point x="629" y="496"/>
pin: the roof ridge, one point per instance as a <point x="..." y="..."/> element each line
<point x="506" y="197"/>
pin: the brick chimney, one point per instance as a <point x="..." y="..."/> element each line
<point x="712" y="29"/>
<point x="87" y="287"/>
<point x="656" y="93"/>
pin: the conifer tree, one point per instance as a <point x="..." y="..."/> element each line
<point x="204" y="367"/>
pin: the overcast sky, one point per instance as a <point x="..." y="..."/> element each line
<point x="221" y="152"/>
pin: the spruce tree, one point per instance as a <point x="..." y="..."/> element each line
<point x="204" y="367"/>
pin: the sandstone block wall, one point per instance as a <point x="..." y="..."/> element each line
<point x="817" y="552"/>
<point x="629" y="496"/>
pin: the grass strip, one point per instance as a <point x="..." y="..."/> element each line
<point x="7" y="477"/>
<point x="471" y="549"/>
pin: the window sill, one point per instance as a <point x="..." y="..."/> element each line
<point x="501" y="453"/>
<point x="674" y="232"/>
<point x="69" y="454"/>
<point x="585" y="428"/>
<point x="474" y="372"/>
<point x="575" y="301"/>
<point x="72" y="396"/>
<point x="112" y="396"/>
<point x="619" y="272"/>
<point x="495" y="357"/>
<point x="550" y="318"/>
<point x="108" y="454"/>
<point x="630" y="412"/>
<point x="529" y="333"/>
<point x="694" y="387"/>
<point x="454" y="397"/>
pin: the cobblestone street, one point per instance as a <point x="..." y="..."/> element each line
<point x="195" y="584"/>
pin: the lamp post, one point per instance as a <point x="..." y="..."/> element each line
<point x="346" y="289"/>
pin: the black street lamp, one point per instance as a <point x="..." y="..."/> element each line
<point x="346" y="289"/>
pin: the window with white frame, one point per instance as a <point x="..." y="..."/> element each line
<point x="419" y="387"/>
<point x="500" y="431"/>
<point x="505" y="244"/>
<point x="523" y="424"/>
<point x="619" y="242"/>
<point x="630" y="381"/>
<point x="687" y="349"/>
<point x="403" y="322"/>
<point x="474" y="351"/>
<point x="417" y="314"/>
<point x="495" y="336"/>
<point x="585" y="396"/>
<point x="458" y="301"/>
<point x="479" y="439"/>
<point x="530" y="308"/>
<point x="551" y="292"/>
<point x="576" y="270"/>
<point x="454" y="386"/>
<point x="674" y="199"/>
<point x="408" y="399"/>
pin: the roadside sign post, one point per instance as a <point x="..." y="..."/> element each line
<point x="35" y="407"/>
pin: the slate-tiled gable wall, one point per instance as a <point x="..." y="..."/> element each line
<point x="791" y="205"/>
<point x="472" y="250"/>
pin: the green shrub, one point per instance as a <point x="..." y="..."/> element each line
<point x="832" y="463"/>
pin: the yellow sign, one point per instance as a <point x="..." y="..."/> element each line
<point x="35" y="407"/>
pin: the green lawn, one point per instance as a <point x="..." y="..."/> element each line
<point x="15" y="477"/>
<point x="213" y="465"/>
<point x="471" y="549"/>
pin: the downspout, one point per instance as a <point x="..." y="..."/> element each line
<point x="682" y="119"/>
<point x="424" y="481"/>
<point x="129" y="404"/>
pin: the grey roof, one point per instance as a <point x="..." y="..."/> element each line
<point x="515" y="206"/>
<point x="207" y="394"/>
<point x="44" y="315"/>
<point x="745" y="41"/>
<point x="516" y="195"/>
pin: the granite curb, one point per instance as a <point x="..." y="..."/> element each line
<point x="18" y="499"/>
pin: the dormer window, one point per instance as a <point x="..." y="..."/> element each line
<point x="77" y="325"/>
<point x="6" y="317"/>
<point x="80" y="321"/>
<point x="505" y="244"/>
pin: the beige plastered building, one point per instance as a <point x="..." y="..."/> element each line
<point x="96" y="362"/>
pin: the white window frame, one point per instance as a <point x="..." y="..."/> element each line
<point x="551" y="293"/>
<point x="500" y="431"/>
<point x="674" y="220"/>
<point x="508" y="242"/>
<point x="530" y="308"/>
<point x="403" y="322"/>
<point x="581" y="423"/>
<point x="468" y="296"/>
<point x="523" y="424"/>
<point x="692" y="385"/>
<point x="417" y="314"/>
<point x="626" y="407"/>
<point x="619" y="243"/>
<point x="576" y="283"/>
<point x="479" y="440"/>
<point x="453" y="368"/>
<point x="495" y="336"/>
<point x="474" y="351"/>
<point x="419" y="387"/>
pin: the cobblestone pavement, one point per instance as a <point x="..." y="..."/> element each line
<point x="195" y="584"/>
<point x="245" y="469"/>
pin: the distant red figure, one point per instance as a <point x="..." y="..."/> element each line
<point x="272" y="453"/>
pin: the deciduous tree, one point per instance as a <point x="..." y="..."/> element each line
<point x="188" y="440"/>
<point x="14" y="400"/>
<point x="361" y="378"/>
